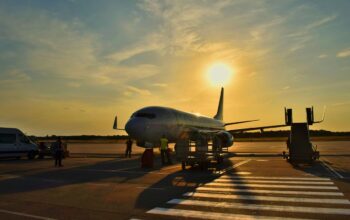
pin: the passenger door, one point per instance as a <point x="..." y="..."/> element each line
<point x="24" y="145"/>
<point x="8" y="144"/>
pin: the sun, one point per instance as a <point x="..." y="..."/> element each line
<point x="219" y="74"/>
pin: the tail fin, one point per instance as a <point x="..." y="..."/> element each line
<point x="219" y="113"/>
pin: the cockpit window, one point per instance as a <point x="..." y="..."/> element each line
<point x="144" y="115"/>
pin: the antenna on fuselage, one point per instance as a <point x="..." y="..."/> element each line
<point x="219" y="113"/>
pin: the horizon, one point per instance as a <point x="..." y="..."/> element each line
<point x="121" y="135"/>
<point x="69" y="67"/>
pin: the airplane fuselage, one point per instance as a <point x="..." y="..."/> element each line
<point x="149" y="124"/>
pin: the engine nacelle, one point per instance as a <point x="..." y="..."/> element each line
<point x="226" y="138"/>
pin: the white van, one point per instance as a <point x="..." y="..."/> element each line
<point x="13" y="143"/>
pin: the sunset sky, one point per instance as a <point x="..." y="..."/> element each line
<point x="68" y="67"/>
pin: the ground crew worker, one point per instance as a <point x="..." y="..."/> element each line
<point x="58" y="152"/>
<point x="128" y="148"/>
<point x="164" y="150"/>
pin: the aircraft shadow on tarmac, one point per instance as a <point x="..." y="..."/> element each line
<point x="182" y="181"/>
<point x="57" y="177"/>
<point x="173" y="184"/>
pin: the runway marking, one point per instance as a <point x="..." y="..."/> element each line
<point x="236" y="205"/>
<point x="169" y="167"/>
<point x="232" y="167"/>
<point x="8" y="176"/>
<point x="261" y="160"/>
<point x="226" y="197"/>
<point x="331" y="170"/>
<point x="270" y="191"/>
<point x="208" y="215"/>
<point x="25" y="215"/>
<point x="271" y="186"/>
<point x="115" y="170"/>
<point x="275" y="178"/>
<point x="274" y="181"/>
<point x="241" y="163"/>
<point x="126" y="170"/>
<point x="243" y="173"/>
<point x="267" y="198"/>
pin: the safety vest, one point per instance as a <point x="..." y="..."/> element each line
<point x="163" y="143"/>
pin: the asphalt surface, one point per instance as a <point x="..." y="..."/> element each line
<point x="257" y="185"/>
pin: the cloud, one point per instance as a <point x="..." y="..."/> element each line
<point x="134" y="90"/>
<point x="303" y="35"/>
<point x="180" y="22"/>
<point x="344" y="53"/>
<point x="64" y="50"/>
<point x="73" y="84"/>
<point x="322" y="56"/>
<point x="321" y="22"/>
<point x="160" y="84"/>
<point x="14" y="76"/>
<point x="306" y="29"/>
<point x="341" y="104"/>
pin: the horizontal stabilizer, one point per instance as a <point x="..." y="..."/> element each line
<point x="240" y="122"/>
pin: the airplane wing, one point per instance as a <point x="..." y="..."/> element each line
<point x="240" y="122"/>
<point x="256" y="128"/>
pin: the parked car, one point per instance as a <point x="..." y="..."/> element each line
<point x="46" y="149"/>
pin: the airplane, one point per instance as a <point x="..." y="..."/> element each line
<point x="148" y="125"/>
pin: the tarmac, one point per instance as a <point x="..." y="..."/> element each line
<point x="254" y="182"/>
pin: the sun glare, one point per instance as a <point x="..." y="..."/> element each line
<point x="219" y="74"/>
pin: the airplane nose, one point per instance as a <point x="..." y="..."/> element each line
<point x="133" y="128"/>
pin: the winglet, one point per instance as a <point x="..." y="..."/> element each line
<point x="323" y="116"/>
<point x="219" y="113"/>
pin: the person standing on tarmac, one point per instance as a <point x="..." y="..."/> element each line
<point x="58" y="151"/>
<point x="164" y="150"/>
<point x="128" y="148"/>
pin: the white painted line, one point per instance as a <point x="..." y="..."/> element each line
<point x="25" y="215"/>
<point x="169" y="167"/>
<point x="267" y="198"/>
<point x="208" y="215"/>
<point x="116" y="170"/>
<point x="272" y="181"/>
<point x="331" y="170"/>
<point x="241" y="163"/>
<point x="125" y="171"/>
<point x="8" y="176"/>
<point x="271" y="186"/>
<point x="276" y="178"/>
<point x="236" y="205"/>
<point x="286" y="192"/>
<point x="243" y="173"/>
<point x="234" y="166"/>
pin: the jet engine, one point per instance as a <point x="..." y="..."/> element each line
<point x="226" y="138"/>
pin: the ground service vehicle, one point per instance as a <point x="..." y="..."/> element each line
<point x="14" y="143"/>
